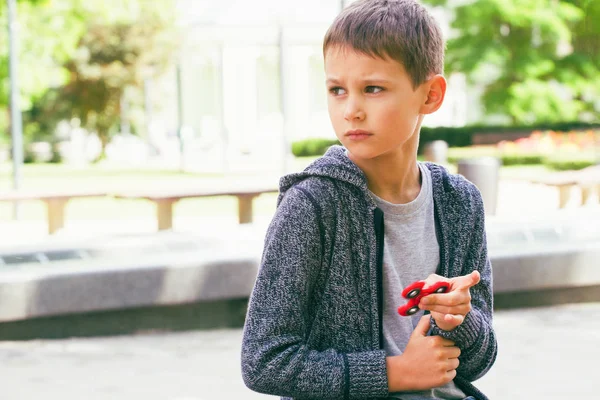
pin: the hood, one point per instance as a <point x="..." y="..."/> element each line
<point x="334" y="164"/>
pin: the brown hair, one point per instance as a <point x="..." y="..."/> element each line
<point x="402" y="30"/>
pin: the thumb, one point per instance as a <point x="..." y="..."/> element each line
<point x="467" y="281"/>
<point x="475" y="277"/>
<point x="423" y="326"/>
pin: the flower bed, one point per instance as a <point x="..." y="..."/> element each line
<point x="557" y="150"/>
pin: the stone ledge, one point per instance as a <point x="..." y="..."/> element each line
<point x="78" y="287"/>
<point x="213" y="314"/>
<point x="85" y="286"/>
<point x="547" y="297"/>
<point x="169" y="269"/>
<point x="567" y="267"/>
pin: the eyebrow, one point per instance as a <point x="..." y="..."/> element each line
<point x="370" y="81"/>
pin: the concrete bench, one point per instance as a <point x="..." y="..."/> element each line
<point x="55" y="203"/>
<point x="164" y="269"/>
<point x="532" y="262"/>
<point x="546" y="260"/>
<point x="587" y="179"/>
<point x="563" y="181"/>
<point x="167" y="268"/>
<point x="165" y="200"/>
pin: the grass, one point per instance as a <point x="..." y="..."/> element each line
<point x="64" y="177"/>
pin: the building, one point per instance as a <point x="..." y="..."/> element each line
<point x="252" y="80"/>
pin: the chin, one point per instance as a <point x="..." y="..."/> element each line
<point x="361" y="151"/>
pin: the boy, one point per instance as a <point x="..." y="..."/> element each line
<point x="363" y="222"/>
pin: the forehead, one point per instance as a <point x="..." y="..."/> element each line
<point x="346" y="61"/>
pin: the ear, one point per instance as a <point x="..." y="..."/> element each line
<point x="435" y="89"/>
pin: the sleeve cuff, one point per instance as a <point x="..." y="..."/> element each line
<point x="367" y="375"/>
<point x="463" y="335"/>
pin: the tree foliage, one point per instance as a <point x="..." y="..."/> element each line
<point x="47" y="34"/>
<point x="538" y="60"/>
<point x="77" y="57"/>
<point x="108" y="60"/>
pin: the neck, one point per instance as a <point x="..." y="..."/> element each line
<point x="394" y="176"/>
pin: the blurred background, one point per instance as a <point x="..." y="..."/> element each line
<point x="141" y="143"/>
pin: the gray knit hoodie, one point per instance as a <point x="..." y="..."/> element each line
<point x="313" y="328"/>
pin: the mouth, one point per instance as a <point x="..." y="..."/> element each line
<point x="357" y="134"/>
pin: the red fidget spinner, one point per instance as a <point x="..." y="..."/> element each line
<point x="415" y="292"/>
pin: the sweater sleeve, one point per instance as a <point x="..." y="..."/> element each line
<point x="275" y="357"/>
<point x="475" y="336"/>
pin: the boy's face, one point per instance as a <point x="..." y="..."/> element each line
<point x="372" y="105"/>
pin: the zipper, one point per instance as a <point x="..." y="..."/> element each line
<point x="379" y="232"/>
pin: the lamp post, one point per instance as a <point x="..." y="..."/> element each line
<point x="282" y="99"/>
<point x="223" y="125"/>
<point x="178" y="77"/>
<point x="15" y="110"/>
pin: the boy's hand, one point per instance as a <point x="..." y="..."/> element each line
<point x="427" y="361"/>
<point x="449" y="309"/>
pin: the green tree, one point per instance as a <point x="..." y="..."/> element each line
<point x="538" y="60"/>
<point x="109" y="59"/>
<point x="47" y="36"/>
<point x="72" y="48"/>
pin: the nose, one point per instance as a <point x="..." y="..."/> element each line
<point x="354" y="110"/>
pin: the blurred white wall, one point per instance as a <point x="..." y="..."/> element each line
<point x="231" y="75"/>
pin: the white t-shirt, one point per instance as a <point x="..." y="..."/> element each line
<point x="411" y="253"/>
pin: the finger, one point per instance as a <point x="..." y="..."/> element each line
<point x="453" y="298"/>
<point x="454" y="319"/>
<point x="443" y="342"/>
<point x="447" y="342"/>
<point x="453" y="363"/>
<point x="462" y="309"/>
<point x="450" y="375"/>
<point x="423" y="326"/>
<point x="434" y="278"/>
<point x="453" y="352"/>
<point x="466" y="281"/>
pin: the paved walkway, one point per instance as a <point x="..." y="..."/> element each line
<point x="545" y="353"/>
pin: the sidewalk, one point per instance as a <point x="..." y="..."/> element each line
<point x="545" y="353"/>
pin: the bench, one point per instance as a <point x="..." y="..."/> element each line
<point x="55" y="203"/>
<point x="165" y="200"/>
<point x="587" y="179"/>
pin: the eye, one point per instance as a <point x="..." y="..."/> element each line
<point x="337" y="91"/>
<point x="373" y="89"/>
